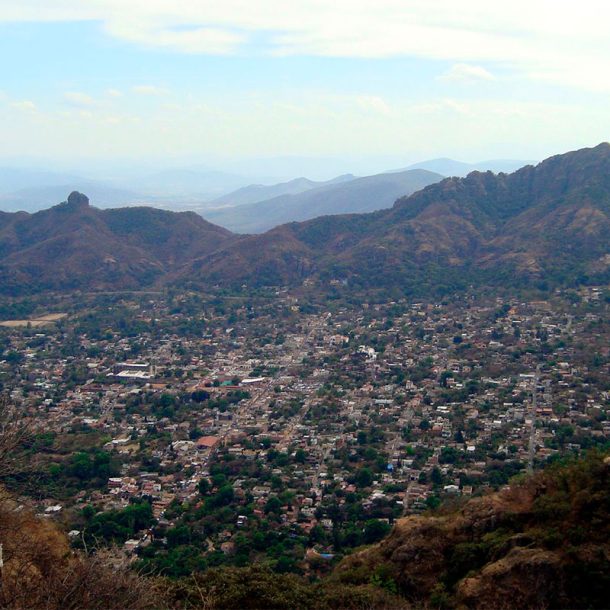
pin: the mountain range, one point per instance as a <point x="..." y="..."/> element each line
<point x="192" y="187"/>
<point x="339" y="196"/>
<point x="451" y="167"/>
<point x="543" y="223"/>
<point x="549" y="223"/>
<point x="254" y="193"/>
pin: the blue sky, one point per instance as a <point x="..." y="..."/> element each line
<point x="217" y="82"/>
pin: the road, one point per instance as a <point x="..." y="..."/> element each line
<point x="532" y="439"/>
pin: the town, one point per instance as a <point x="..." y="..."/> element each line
<point x="199" y="430"/>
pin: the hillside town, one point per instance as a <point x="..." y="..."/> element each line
<point x="282" y="427"/>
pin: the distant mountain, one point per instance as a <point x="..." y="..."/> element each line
<point x="204" y="184"/>
<point x="37" y="198"/>
<point x="254" y="193"/>
<point x="546" y="223"/>
<point x="76" y="246"/>
<point x="450" y="167"/>
<point x="357" y="195"/>
<point x="32" y="189"/>
<point x="285" y="167"/>
<point x="16" y="178"/>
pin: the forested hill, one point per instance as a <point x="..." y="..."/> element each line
<point x="74" y="245"/>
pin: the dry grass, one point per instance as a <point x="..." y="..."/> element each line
<point x="36" y="322"/>
<point x="41" y="572"/>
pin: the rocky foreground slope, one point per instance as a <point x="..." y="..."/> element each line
<point x="542" y="543"/>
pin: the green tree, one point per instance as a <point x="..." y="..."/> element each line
<point x="364" y="477"/>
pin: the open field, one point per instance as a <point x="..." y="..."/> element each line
<point x="34" y="322"/>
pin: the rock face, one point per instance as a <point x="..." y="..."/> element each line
<point x="524" y="578"/>
<point x="544" y="543"/>
<point x="77" y="200"/>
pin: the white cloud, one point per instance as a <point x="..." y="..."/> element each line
<point x="543" y="39"/>
<point x="27" y="105"/>
<point x="173" y="36"/>
<point x="78" y="99"/>
<point x="466" y="73"/>
<point x="373" y="103"/>
<point x="276" y="123"/>
<point x="538" y="40"/>
<point x="149" y="90"/>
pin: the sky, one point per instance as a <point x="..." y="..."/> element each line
<point x="222" y="81"/>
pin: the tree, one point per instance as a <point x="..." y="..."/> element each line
<point x="433" y="502"/>
<point x="375" y="530"/>
<point x="14" y="358"/>
<point x="436" y="476"/>
<point x="449" y="455"/>
<point x="178" y="535"/>
<point x="273" y="505"/>
<point x="203" y="486"/>
<point x="200" y="396"/>
<point x="364" y="477"/>
<point x="444" y="376"/>
<point x="219" y="479"/>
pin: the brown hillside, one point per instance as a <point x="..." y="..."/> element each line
<point x="544" y="543"/>
<point x="74" y="245"/>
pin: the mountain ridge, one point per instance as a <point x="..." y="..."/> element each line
<point x="546" y="224"/>
<point x="451" y="228"/>
<point x="450" y="167"/>
<point x="359" y="195"/>
<point x="253" y="193"/>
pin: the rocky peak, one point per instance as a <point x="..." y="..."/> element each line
<point x="77" y="200"/>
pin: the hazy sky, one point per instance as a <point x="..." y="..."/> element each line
<point x="210" y="79"/>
